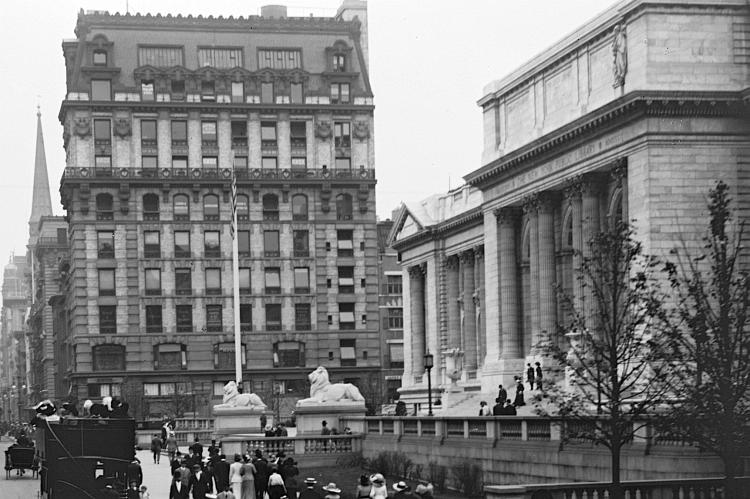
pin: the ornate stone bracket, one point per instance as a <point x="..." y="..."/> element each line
<point x="619" y="171"/>
<point x="451" y="262"/>
<point x="361" y="130"/>
<point x="530" y="204"/>
<point x="467" y="257"/>
<point x="507" y="215"/>
<point x="323" y="130"/>
<point x="84" y="195"/>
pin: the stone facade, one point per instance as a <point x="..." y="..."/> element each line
<point x="13" y="345"/>
<point x="634" y="117"/>
<point x="288" y="112"/>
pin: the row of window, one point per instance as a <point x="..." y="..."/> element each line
<point x="221" y="58"/>
<point x="211" y="207"/>
<point x="214" y="320"/>
<point x="212" y="244"/>
<point x="174" y="357"/>
<point x="183" y="281"/>
<point x="101" y="90"/>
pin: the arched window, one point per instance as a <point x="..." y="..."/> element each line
<point x="150" y="207"/>
<point x="181" y="207"/>
<point x="339" y="62"/>
<point x="270" y="207"/>
<point x="615" y="214"/>
<point x="211" y="207"/>
<point x="344" y="207"/>
<point x="243" y="207"/>
<point x="299" y="207"/>
<point x="109" y="358"/>
<point x="104" y="206"/>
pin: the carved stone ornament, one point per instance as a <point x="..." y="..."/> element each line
<point x="82" y="127"/>
<point x="323" y="130"/>
<point x="361" y="130"/>
<point x="619" y="56"/>
<point x="122" y="128"/>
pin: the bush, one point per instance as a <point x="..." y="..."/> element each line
<point x="468" y="479"/>
<point x="437" y="474"/>
<point x="391" y="463"/>
<point x="355" y="460"/>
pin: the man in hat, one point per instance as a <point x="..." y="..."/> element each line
<point x="221" y="473"/>
<point x="134" y="472"/>
<point x="262" y="470"/>
<point x="200" y="482"/>
<point x="403" y="491"/>
<point x="309" y="491"/>
<point x="177" y="490"/>
<point x="333" y="491"/>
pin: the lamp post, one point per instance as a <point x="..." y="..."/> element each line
<point x="428" y="363"/>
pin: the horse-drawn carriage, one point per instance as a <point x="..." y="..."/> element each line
<point x="20" y="459"/>
<point x="79" y="456"/>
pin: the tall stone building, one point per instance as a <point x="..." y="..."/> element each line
<point x="13" y="348"/>
<point x="634" y="116"/>
<point x="159" y="112"/>
<point x="47" y="250"/>
<point x="391" y="314"/>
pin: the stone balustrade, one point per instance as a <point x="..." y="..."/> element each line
<point x="305" y="445"/>
<point x="703" y="488"/>
<point x="249" y="174"/>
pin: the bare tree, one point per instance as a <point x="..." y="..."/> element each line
<point x="607" y="395"/>
<point x="708" y="342"/>
<point x="132" y="393"/>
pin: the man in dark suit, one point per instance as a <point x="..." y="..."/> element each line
<point x="177" y="490"/>
<point x="200" y="482"/>
<point x="497" y="409"/>
<point x="509" y="409"/>
<point x="502" y="395"/>
<point x="135" y="473"/>
<point x="221" y="473"/>
<point x="197" y="448"/>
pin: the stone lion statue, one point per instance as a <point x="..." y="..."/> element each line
<point x="233" y="398"/>
<point x="322" y="391"/>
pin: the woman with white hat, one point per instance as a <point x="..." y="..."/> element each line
<point x="379" y="490"/>
<point x="333" y="491"/>
<point x="403" y="491"/>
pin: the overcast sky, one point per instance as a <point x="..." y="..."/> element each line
<point x="429" y="60"/>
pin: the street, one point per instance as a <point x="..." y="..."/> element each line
<point x="156" y="477"/>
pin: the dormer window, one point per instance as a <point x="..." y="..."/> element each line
<point x="100" y="58"/>
<point x="147" y="90"/>
<point x="339" y="93"/>
<point x="339" y="62"/>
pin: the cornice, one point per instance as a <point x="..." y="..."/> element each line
<point x="87" y="21"/>
<point x="648" y="103"/>
<point x="208" y="107"/>
<point x="464" y="221"/>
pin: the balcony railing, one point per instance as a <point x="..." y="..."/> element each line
<point x="307" y="444"/>
<point x="190" y="174"/>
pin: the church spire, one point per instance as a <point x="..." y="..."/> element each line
<point x="41" y="204"/>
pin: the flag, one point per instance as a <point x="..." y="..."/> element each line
<point x="232" y="228"/>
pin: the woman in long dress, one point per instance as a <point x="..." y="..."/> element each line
<point x="235" y="476"/>
<point x="248" y="478"/>
<point x="519" y="401"/>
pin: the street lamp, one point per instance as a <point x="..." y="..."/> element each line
<point x="428" y="363"/>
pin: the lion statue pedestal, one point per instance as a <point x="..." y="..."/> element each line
<point x="331" y="403"/>
<point x="238" y="416"/>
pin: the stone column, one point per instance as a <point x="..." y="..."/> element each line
<point x="454" y="310"/>
<point x="416" y="295"/>
<point x="469" y="326"/>
<point x="546" y="262"/>
<point x="530" y="209"/>
<point x="479" y="303"/>
<point x="573" y="196"/>
<point x="590" y="190"/>
<point x="509" y="283"/>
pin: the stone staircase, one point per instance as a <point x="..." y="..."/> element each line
<point x="467" y="404"/>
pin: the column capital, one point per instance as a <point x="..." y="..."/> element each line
<point x="478" y="253"/>
<point x="572" y="188"/>
<point x="593" y="183"/>
<point x="417" y="271"/>
<point x="530" y="204"/>
<point x="546" y="201"/>
<point x="507" y="215"/>
<point x="619" y="170"/>
<point x="451" y="262"/>
<point x="467" y="256"/>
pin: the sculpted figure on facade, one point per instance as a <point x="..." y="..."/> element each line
<point x="619" y="56"/>
<point x="322" y="391"/>
<point x="82" y="127"/>
<point x="233" y="398"/>
<point x="323" y="130"/>
<point x="454" y="365"/>
<point x="122" y="128"/>
<point x="360" y="130"/>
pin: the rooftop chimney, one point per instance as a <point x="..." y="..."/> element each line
<point x="277" y="11"/>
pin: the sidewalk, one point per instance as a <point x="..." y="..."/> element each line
<point x="157" y="477"/>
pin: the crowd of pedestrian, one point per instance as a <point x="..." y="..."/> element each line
<point x="503" y="405"/>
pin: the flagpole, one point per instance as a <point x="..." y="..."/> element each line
<point x="236" y="284"/>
